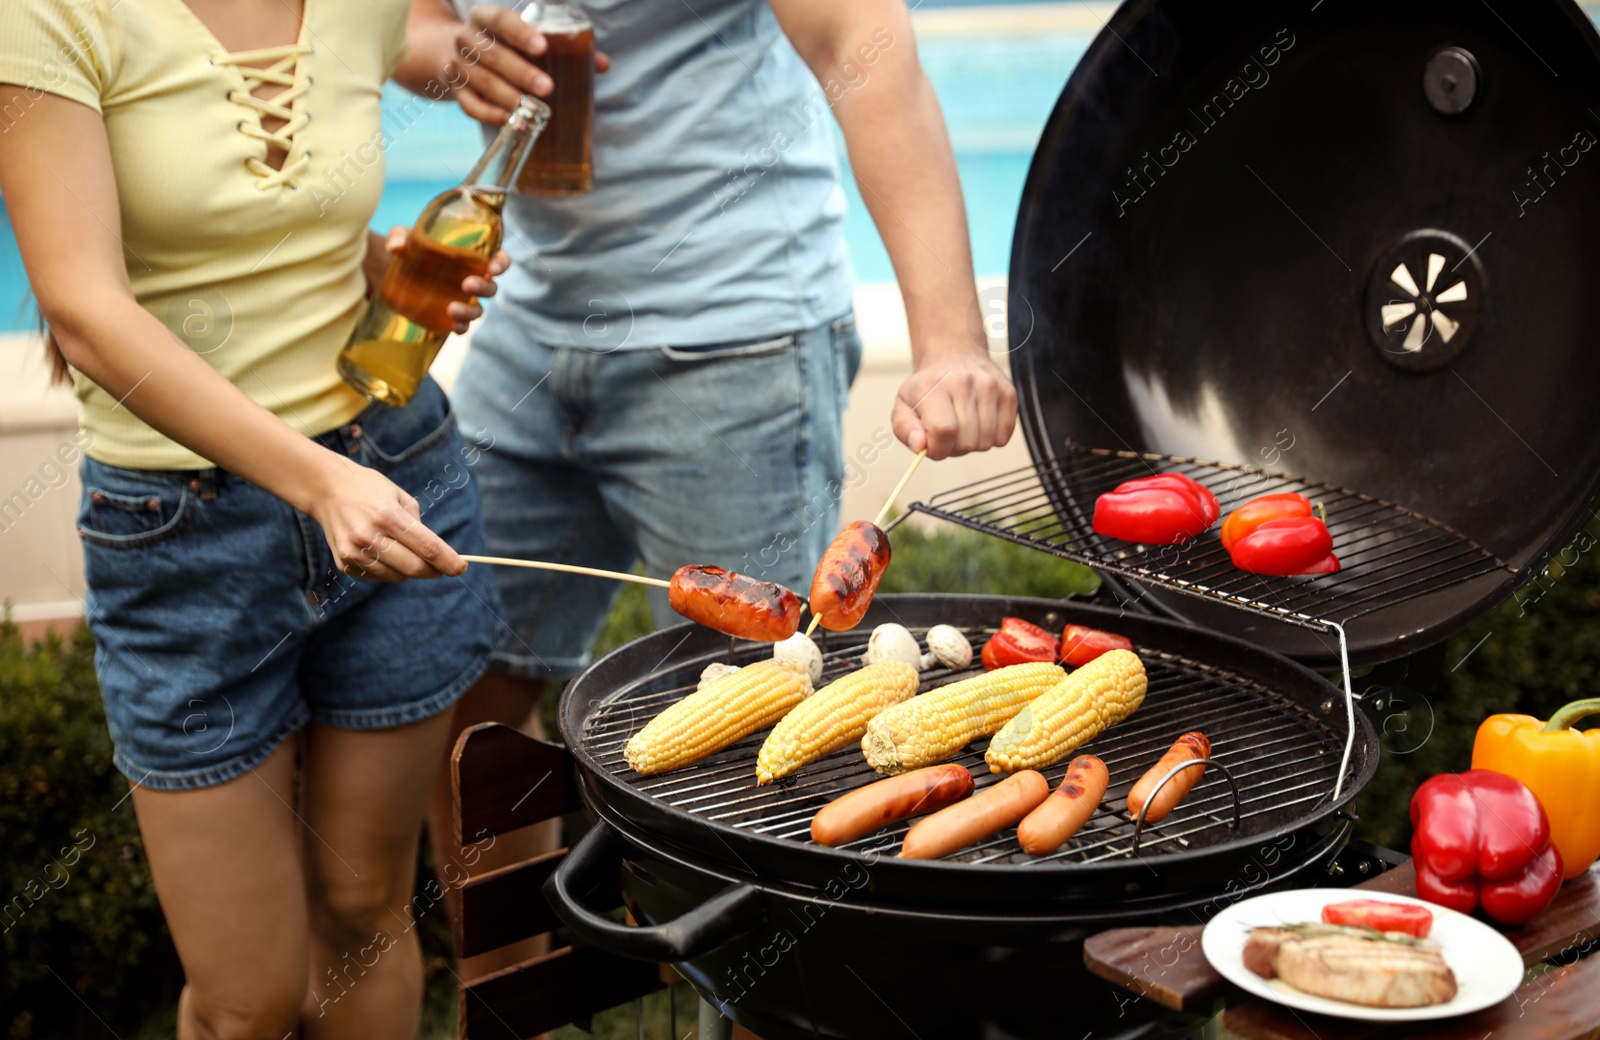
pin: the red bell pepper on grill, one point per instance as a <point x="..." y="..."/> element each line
<point x="1482" y="838"/>
<point x="1163" y="509"/>
<point x="1081" y="644"/>
<point x="1210" y="508"/>
<point x="1284" y="547"/>
<point x="1277" y="534"/>
<point x="1258" y="511"/>
<point x="1019" y="642"/>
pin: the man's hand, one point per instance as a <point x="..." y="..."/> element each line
<point x="957" y="401"/>
<point x="486" y="63"/>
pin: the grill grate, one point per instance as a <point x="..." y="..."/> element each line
<point x="1389" y="554"/>
<point x="1284" y="759"/>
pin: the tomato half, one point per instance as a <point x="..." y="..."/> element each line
<point x="1081" y="644"/>
<point x="1019" y="642"/>
<point x="1384" y="916"/>
<point x="1258" y="511"/>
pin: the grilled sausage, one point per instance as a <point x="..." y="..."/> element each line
<point x="849" y="574"/>
<point x="735" y="604"/>
<point x="990" y="810"/>
<point x="869" y="808"/>
<point x="1058" y="817"/>
<point x="1186" y="748"/>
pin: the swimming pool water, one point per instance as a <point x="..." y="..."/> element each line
<point x="996" y="92"/>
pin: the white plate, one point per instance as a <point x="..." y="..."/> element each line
<point x="1487" y="967"/>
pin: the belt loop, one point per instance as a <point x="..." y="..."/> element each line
<point x="204" y="483"/>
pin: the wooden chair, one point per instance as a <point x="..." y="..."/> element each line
<point x="504" y="781"/>
<point x="1561" y="1004"/>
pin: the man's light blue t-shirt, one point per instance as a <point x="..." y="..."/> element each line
<point x="716" y="213"/>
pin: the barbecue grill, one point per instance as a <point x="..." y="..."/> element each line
<point x="1276" y="251"/>
<point x="726" y="864"/>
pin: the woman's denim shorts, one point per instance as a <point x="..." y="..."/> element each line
<point x="222" y="625"/>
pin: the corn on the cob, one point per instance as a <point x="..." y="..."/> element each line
<point x="834" y="716"/>
<point x="934" y="726"/>
<point x="1080" y="707"/>
<point x="720" y="714"/>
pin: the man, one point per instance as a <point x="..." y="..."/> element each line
<point x="663" y="374"/>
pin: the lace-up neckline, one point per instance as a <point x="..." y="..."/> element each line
<point x="283" y="71"/>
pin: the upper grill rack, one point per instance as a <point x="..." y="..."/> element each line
<point x="1285" y="762"/>
<point x="1389" y="554"/>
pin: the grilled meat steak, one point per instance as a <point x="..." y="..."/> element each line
<point x="1357" y="966"/>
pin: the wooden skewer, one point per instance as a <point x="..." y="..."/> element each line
<point x="883" y="514"/>
<point x="568" y="568"/>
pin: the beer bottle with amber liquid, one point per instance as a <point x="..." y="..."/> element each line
<point x="562" y="163"/>
<point x="457" y="235"/>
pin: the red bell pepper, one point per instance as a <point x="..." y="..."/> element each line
<point x="1278" y="534"/>
<point x="1258" y="511"/>
<point x="1081" y="644"/>
<point x="1163" y="509"/>
<point x="1284" y="547"/>
<point x="1522" y="897"/>
<point x="1210" y="508"/>
<point x="1329" y="564"/>
<point x="1482" y="838"/>
<point x="1019" y="642"/>
<point x="1381" y="915"/>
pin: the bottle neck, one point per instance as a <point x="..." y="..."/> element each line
<point x="496" y="171"/>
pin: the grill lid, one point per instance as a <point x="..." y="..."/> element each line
<point x="1349" y="243"/>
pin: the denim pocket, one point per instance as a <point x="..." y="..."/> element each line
<point x="846" y="343"/>
<point x="133" y="517"/>
<point x="391" y="437"/>
<point x="730" y="351"/>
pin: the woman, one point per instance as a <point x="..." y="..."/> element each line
<point x="159" y="161"/>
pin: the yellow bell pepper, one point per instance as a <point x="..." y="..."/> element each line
<point x="1559" y="764"/>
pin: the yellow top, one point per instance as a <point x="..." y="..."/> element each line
<point x="257" y="270"/>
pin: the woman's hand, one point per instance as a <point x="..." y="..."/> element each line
<point x="375" y="529"/>
<point x="463" y="314"/>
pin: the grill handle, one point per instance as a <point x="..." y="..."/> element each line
<point x="730" y="914"/>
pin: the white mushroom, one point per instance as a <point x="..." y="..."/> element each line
<point x="714" y="671"/>
<point x="947" y="646"/>
<point x="799" y="650"/>
<point x="892" y="642"/>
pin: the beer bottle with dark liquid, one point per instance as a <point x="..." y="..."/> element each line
<point x="457" y="235"/>
<point x="561" y="163"/>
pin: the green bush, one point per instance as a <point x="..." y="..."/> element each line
<point x="82" y="932"/>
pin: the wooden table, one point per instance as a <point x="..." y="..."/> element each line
<point x="1167" y="966"/>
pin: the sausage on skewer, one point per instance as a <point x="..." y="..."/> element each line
<point x="848" y="576"/>
<point x="735" y="604"/>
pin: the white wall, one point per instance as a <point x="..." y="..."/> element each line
<point x="41" y="568"/>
